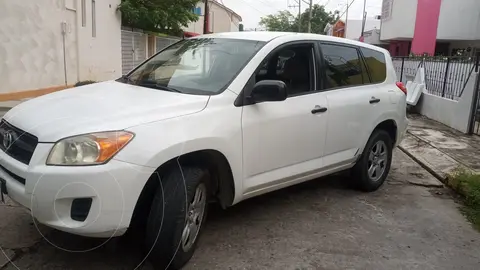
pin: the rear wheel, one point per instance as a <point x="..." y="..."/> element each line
<point x="177" y="216"/>
<point x="373" y="166"/>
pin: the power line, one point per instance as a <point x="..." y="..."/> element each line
<point x="266" y="4"/>
<point x="254" y="7"/>
<point x="348" y="5"/>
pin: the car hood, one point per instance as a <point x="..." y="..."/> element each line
<point x="99" y="107"/>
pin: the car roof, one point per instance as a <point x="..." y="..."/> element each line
<point x="267" y="36"/>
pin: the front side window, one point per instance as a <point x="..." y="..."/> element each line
<point x="203" y="66"/>
<point x="343" y="66"/>
<point x="294" y="65"/>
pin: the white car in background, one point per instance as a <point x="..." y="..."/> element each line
<point x="215" y="117"/>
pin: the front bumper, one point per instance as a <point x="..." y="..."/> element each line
<point x="49" y="191"/>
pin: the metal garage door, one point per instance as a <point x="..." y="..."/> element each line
<point x="163" y="42"/>
<point x="134" y="50"/>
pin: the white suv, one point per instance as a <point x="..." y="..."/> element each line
<point x="220" y="117"/>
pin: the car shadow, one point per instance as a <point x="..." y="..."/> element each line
<point x="76" y="252"/>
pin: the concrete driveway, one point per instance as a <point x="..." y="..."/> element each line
<point x="407" y="224"/>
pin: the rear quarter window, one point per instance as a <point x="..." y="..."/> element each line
<point x="343" y="66"/>
<point x="376" y="64"/>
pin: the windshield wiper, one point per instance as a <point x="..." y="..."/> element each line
<point x="126" y="79"/>
<point x="158" y="86"/>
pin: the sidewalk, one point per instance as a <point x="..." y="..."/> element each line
<point x="440" y="149"/>
<point x="18" y="230"/>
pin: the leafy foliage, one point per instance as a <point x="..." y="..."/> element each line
<point x="81" y="83"/>
<point x="467" y="184"/>
<point x="166" y="16"/>
<point x="284" y="21"/>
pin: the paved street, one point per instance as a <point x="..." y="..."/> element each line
<point x="317" y="225"/>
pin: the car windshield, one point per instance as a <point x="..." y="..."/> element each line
<point x="202" y="66"/>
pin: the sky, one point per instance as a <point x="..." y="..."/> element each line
<point x="252" y="10"/>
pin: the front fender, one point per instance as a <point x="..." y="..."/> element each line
<point x="159" y="142"/>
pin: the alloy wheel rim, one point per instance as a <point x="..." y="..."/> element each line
<point x="377" y="161"/>
<point x="194" y="218"/>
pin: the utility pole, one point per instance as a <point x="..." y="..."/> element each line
<point x="299" y="16"/>
<point x="205" y="18"/>
<point x="310" y="18"/>
<point x="346" y="21"/>
<point x="299" y="13"/>
<point x="364" y="17"/>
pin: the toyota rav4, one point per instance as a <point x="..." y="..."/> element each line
<point x="222" y="117"/>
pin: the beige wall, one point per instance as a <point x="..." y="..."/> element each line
<point x="221" y="20"/>
<point x="32" y="34"/>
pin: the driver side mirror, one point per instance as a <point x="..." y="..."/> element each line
<point x="269" y="90"/>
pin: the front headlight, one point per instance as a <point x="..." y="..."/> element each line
<point x="88" y="149"/>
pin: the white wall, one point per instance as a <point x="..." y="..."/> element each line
<point x="373" y="37"/>
<point x="31" y="47"/>
<point x="222" y="19"/>
<point x="453" y="113"/>
<point x="401" y="23"/>
<point x="459" y="20"/>
<point x="354" y="27"/>
<point x="101" y="56"/>
<point x="31" y="43"/>
<point x="235" y="24"/>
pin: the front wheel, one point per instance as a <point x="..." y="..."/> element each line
<point x="373" y="166"/>
<point x="177" y="216"/>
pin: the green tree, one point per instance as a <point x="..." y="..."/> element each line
<point x="284" y="21"/>
<point x="166" y="16"/>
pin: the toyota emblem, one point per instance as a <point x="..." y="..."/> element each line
<point x="7" y="139"/>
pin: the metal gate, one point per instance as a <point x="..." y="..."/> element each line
<point x="475" y="124"/>
<point x="134" y="49"/>
<point x="163" y="42"/>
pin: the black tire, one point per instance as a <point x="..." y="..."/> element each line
<point x="359" y="173"/>
<point x="168" y="217"/>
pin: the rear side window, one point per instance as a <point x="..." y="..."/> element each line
<point x="375" y="62"/>
<point x="343" y="66"/>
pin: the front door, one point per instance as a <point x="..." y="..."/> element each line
<point x="284" y="140"/>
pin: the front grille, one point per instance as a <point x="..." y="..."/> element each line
<point x="16" y="142"/>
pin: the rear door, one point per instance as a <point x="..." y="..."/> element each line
<point x="354" y="102"/>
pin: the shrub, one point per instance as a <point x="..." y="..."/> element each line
<point x="467" y="184"/>
<point x="83" y="83"/>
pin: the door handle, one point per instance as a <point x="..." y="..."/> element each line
<point x="374" y="100"/>
<point x="319" y="109"/>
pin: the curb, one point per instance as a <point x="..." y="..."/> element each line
<point x="425" y="166"/>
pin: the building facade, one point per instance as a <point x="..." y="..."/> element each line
<point x="220" y="19"/>
<point x="353" y="30"/>
<point x="442" y="27"/>
<point x="138" y="45"/>
<point x="51" y="44"/>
